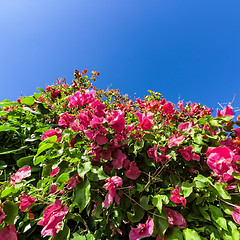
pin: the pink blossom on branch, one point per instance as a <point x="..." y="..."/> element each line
<point x="174" y="141"/>
<point x="22" y="173"/>
<point x="133" y="172"/>
<point x="2" y="215"/>
<point x="175" y="218"/>
<point x="8" y="233"/>
<point x="26" y="201"/>
<point x="117" y="121"/>
<point x="176" y="198"/>
<point x="53" y="132"/>
<point x="142" y="230"/>
<point x="54" y="172"/>
<point x="52" y="218"/>
<point x="227" y="111"/>
<point x="188" y="155"/>
<point x="111" y="185"/>
<point x="146" y="120"/>
<point x="236" y="214"/>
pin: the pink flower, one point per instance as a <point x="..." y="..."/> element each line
<point x="168" y="108"/>
<point x="227" y="111"/>
<point x="186" y="127"/>
<point x="152" y="152"/>
<point x="65" y="120"/>
<point x="117" y="121"/>
<point x="53" y="189"/>
<point x="2" y="215"/>
<point x="175" y="218"/>
<point x="52" y="217"/>
<point x="54" y="172"/>
<point x="22" y="173"/>
<point x="188" y="155"/>
<point x="180" y="105"/>
<point x="133" y="172"/>
<point x="237" y="131"/>
<point x="175" y="196"/>
<point x="111" y="185"/>
<point x="219" y="160"/>
<point x="52" y="132"/>
<point x="118" y="159"/>
<point x="142" y="230"/>
<point x="174" y="141"/>
<point x="26" y="201"/>
<point x="8" y="233"/>
<point x="236" y="214"/>
<point x="73" y="181"/>
<point x="101" y="139"/>
<point x="146" y="120"/>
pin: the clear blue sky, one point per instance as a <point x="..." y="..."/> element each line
<point x="176" y="47"/>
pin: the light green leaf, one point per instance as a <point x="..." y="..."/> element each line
<point x="82" y="194"/>
<point x="28" y="101"/>
<point x="83" y="168"/>
<point x="190" y="234"/>
<point x="187" y="188"/>
<point x="222" y="193"/>
<point x="4" y="128"/>
<point x="217" y="216"/>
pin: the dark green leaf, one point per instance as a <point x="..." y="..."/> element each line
<point x="160" y="222"/>
<point x="11" y="210"/>
<point x="217" y="216"/>
<point x="137" y="214"/>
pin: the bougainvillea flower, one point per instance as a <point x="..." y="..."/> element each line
<point x="219" y="159"/>
<point x="236" y="214"/>
<point x="101" y="139"/>
<point x="8" y="233"/>
<point x="152" y="152"/>
<point x="188" y="155"/>
<point x="174" y="141"/>
<point x="53" y="132"/>
<point x="142" y="230"/>
<point x="73" y="181"/>
<point x="237" y="131"/>
<point x="52" y="217"/>
<point x="186" y="127"/>
<point x="111" y="185"/>
<point x="54" y="172"/>
<point x="53" y="189"/>
<point x="2" y="215"/>
<point x="168" y="108"/>
<point x="180" y="105"/>
<point x="117" y="121"/>
<point x="118" y="159"/>
<point x="175" y="218"/>
<point x="146" y="120"/>
<point x="26" y="201"/>
<point x="65" y="120"/>
<point x="176" y="198"/>
<point x="22" y="173"/>
<point x="227" y="111"/>
<point x="133" y="172"/>
<point x="79" y="99"/>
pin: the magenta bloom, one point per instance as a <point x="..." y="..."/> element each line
<point x="79" y="99"/>
<point x="117" y="121"/>
<point x="52" y="217"/>
<point x="146" y="120"/>
<point x="152" y="152"/>
<point x="54" y="172"/>
<point x="227" y="111"/>
<point x="174" y="141"/>
<point x="65" y="120"/>
<point x="73" y="181"/>
<point x="142" y="230"/>
<point x="186" y="127"/>
<point x="133" y="172"/>
<point x="111" y="185"/>
<point x="52" y="132"/>
<point x="168" y="108"/>
<point x="175" y="196"/>
<point x="2" y="215"/>
<point x="118" y="159"/>
<point x="236" y="214"/>
<point x="188" y="155"/>
<point x="175" y="218"/>
<point x="8" y="233"/>
<point x="26" y="201"/>
<point x="53" y="189"/>
<point x="219" y="160"/>
<point x="22" y="173"/>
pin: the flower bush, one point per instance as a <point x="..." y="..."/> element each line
<point x="78" y="163"/>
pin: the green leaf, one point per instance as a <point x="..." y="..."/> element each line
<point x="83" y="168"/>
<point x="204" y="213"/>
<point x="190" y="234"/>
<point x="160" y="222"/>
<point x="41" y="90"/>
<point x="175" y="234"/>
<point x="4" y="128"/>
<point x="198" y="139"/>
<point x="25" y="161"/>
<point x="62" y="179"/>
<point x="37" y="95"/>
<point x="217" y="216"/>
<point x="28" y="101"/>
<point x="7" y="191"/>
<point x="11" y="210"/>
<point x="157" y="201"/>
<point x="43" y="148"/>
<point x="144" y="203"/>
<point x="98" y="209"/>
<point x="137" y="214"/>
<point x="234" y="230"/>
<point x="82" y="194"/>
<point x="3" y="165"/>
<point x="39" y="159"/>
<point x="42" y="109"/>
<point x="201" y="178"/>
<point x="96" y="174"/>
<point x="187" y="188"/>
<point x="64" y="233"/>
<point x="222" y="192"/>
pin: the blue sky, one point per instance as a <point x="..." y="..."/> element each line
<point x="181" y="48"/>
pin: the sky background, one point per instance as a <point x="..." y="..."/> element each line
<point x="187" y="49"/>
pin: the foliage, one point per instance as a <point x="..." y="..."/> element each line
<point x="78" y="162"/>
